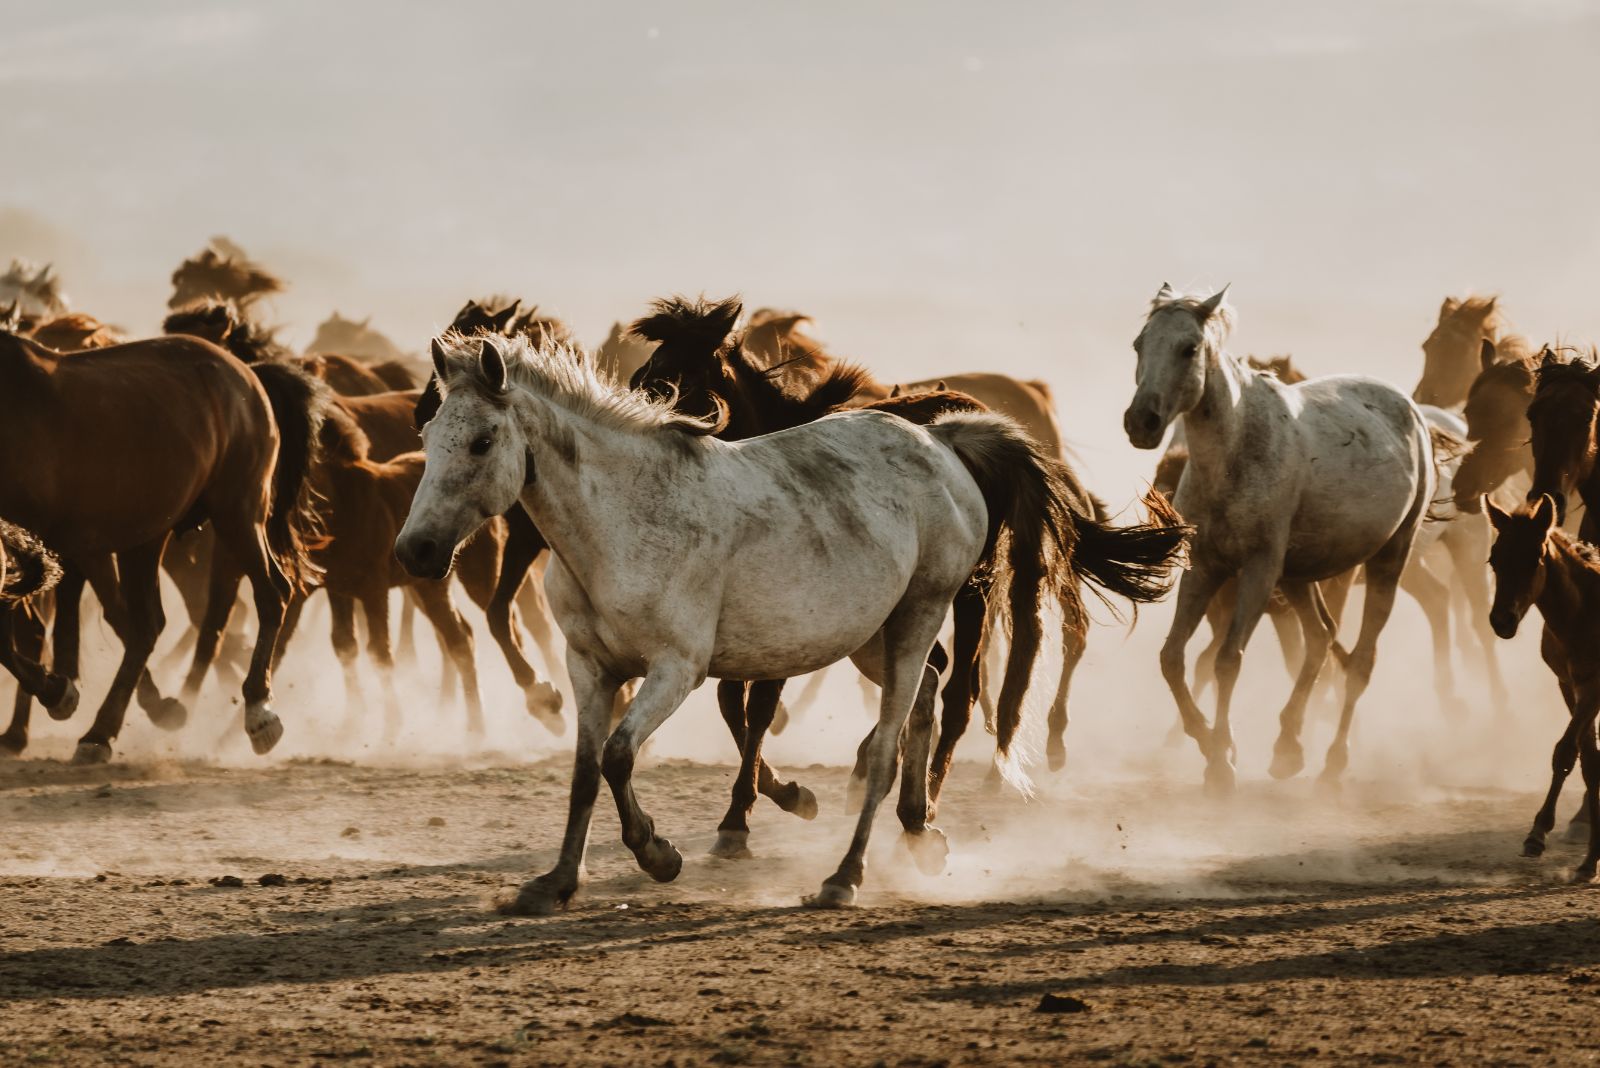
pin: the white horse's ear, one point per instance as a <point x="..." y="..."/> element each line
<point x="438" y="359"/>
<point x="1209" y="306"/>
<point x="1497" y="515"/>
<point x="1165" y="292"/>
<point x="1487" y="356"/>
<point x="493" y="367"/>
<point x="1545" y="512"/>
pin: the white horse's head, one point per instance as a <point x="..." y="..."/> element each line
<point x="477" y="458"/>
<point x="1181" y="337"/>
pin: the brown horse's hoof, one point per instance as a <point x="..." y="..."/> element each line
<point x="13" y="742"/>
<point x="92" y="753"/>
<point x="66" y="704"/>
<point x="1532" y="847"/>
<point x="804" y="803"/>
<point x="831" y="896"/>
<point x="1219" y="779"/>
<point x="168" y="714"/>
<point x="544" y="705"/>
<point x="263" y="728"/>
<point x="929" y="849"/>
<point x="1583" y="874"/>
<point x="1287" y="761"/>
<point x="660" y="860"/>
<point x="536" y="897"/>
<point x="732" y="845"/>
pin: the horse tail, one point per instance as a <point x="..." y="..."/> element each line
<point x="299" y="402"/>
<point x="1043" y="540"/>
<point x="26" y="566"/>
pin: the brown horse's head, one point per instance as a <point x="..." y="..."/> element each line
<point x="221" y="272"/>
<point x="223" y="324"/>
<point x="1451" y="353"/>
<point x="1561" y="418"/>
<point x="1497" y="424"/>
<point x="1521" y="544"/>
<point x="690" y="365"/>
<point x="1280" y="367"/>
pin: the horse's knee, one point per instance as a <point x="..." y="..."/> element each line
<point x="616" y="759"/>
<point x="1227" y="664"/>
<point x="1172" y="663"/>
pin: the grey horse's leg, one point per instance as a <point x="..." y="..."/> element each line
<point x="1306" y="599"/>
<point x="1256" y="581"/>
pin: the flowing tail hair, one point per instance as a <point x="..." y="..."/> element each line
<point x="1046" y="536"/>
<point x="26" y="566"/>
<point x="299" y="401"/>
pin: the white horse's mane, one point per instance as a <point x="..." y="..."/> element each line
<point x="566" y="377"/>
<point x="1217" y="326"/>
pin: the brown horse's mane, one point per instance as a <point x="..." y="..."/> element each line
<point x="341" y="438"/>
<point x="223" y="269"/>
<point x="225" y="325"/>
<point x="489" y="315"/>
<point x="75" y="332"/>
<point x="698" y="323"/>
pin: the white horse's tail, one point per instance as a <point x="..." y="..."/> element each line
<point x="1044" y="541"/>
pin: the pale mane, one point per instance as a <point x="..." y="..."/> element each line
<point x="567" y="378"/>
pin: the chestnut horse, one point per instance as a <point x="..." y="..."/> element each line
<point x="1451" y="352"/>
<point x="110" y="451"/>
<point x="221" y="271"/>
<point x="1497" y="426"/>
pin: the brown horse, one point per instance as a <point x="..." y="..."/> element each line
<point x="76" y="332"/>
<point x="1450" y="354"/>
<point x="353" y="337"/>
<point x="227" y="326"/>
<point x="701" y="363"/>
<point x="108" y="452"/>
<point x="1561" y="421"/>
<point x="621" y="353"/>
<point x="1497" y="427"/>
<point x="221" y="271"/>
<point x="1537" y="563"/>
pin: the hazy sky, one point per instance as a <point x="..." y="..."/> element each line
<point x="945" y="186"/>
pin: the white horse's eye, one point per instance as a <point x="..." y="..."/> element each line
<point x="480" y="444"/>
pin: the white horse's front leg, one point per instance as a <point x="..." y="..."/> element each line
<point x="666" y="684"/>
<point x="595" y="690"/>
<point x="1257" y="579"/>
<point x="1195" y="590"/>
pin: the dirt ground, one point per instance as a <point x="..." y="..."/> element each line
<point x="1283" y="927"/>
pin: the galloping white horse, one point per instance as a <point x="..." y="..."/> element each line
<point x="668" y="545"/>
<point x="1286" y="486"/>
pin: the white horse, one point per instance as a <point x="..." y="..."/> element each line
<point x="678" y="556"/>
<point x="1286" y="486"/>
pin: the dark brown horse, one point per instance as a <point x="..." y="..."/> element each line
<point x="701" y="363"/>
<point x="108" y="452"/>
<point x="221" y="271"/>
<point x="1537" y="563"/>
<point x="1561" y="423"/>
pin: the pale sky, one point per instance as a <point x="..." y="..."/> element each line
<point x="944" y="186"/>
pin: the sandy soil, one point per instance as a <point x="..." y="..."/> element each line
<point x="1283" y="927"/>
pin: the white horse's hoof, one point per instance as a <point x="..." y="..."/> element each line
<point x="64" y="708"/>
<point x="831" y="896"/>
<point x="263" y="728"/>
<point x="929" y="849"/>
<point x="92" y="753"/>
<point x="544" y="705"/>
<point x="732" y="845"/>
<point x="168" y="714"/>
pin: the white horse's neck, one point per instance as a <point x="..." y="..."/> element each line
<point x="1213" y="427"/>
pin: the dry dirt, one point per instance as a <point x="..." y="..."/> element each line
<point x="1281" y="928"/>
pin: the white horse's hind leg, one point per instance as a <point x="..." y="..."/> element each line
<point x="665" y="687"/>
<point x="1257" y="579"/>
<point x="907" y="636"/>
<point x="1305" y="598"/>
<point x="1383" y="580"/>
<point x="1434" y="596"/>
<point x="595" y="692"/>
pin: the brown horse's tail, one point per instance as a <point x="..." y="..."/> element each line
<point x="1043" y="541"/>
<point x="26" y="566"/>
<point x="298" y="401"/>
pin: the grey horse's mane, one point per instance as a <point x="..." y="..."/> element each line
<point x="565" y="377"/>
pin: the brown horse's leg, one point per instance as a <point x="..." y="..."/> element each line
<point x="747" y="709"/>
<point x="341" y="607"/>
<point x="1434" y="597"/>
<point x="1565" y="754"/>
<point x="1074" y="640"/>
<point x="375" y="605"/>
<point x="1588" y="706"/>
<point x="731" y="700"/>
<point x="21" y="653"/>
<point x="456" y="636"/>
<point x="970" y="611"/>
<point x="495" y="591"/>
<point x="1468" y="550"/>
<point x="246" y="541"/>
<point x="142" y="623"/>
<point x="223" y="592"/>
<point x="291" y="623"/>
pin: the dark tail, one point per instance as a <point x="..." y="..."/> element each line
<point x="26" y="567"/>
<point x="298" y="404"/>
<point x="1038" y="513"/>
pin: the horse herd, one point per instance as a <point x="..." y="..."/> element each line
<point x="711" y="494"/>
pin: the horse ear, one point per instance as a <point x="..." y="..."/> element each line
<point x="493" y="366"/>
<point x="894" y="391"/>
<point x="503" y="317"/>
<point x="438" y="359"/>
<point x="1209" y="306"/>
<point x="1497" y="515"/>
<point x="1450" y="305"/>
<point x="1487" y="356"/>
<point x="363" y="324"/>
<point x="1545" y="512"/>
<point x="941" y="387"/>
<point x="1165" y="292"/>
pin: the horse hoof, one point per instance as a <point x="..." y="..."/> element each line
<point x="929" y="849"/>
<point x="1287" y="761"/>
<point x="780" y="720"/>
<point x="263" y="728"/>
<point x="67" y="704"/>
<point x="168" y="714"/>
<point x="1219" y="779"/>
<point x="1583" y="874"/>
<point x="831" y="896"/>
<point x="1532" y="847"/>
<point x="1329" y="785"/>
<point x="92" y="753"/>
<point x="1576" y="833"/>
<point x="13" y="742"/>
<point x="1056" y="754"/>
<point x="804" y="803"/>
<point x="732" y="845"/>
<point x="544" y="705"/>
<point x="660" y="860"/>
<point x="534" y="898"/>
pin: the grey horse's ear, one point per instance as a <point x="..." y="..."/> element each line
<point x="1487" y="356"/>
<point x="1209" y="306"/>
<point x="1165" y="292"/>
<point x="438" y="359"/>
<point x="493" y="367"/>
